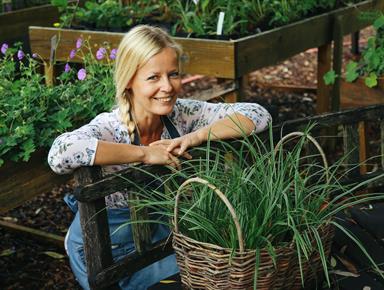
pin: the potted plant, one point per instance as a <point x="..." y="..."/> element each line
<point x="363" y="84"/>
<point x="33" y="114"/>
<point x="253" y="215"/>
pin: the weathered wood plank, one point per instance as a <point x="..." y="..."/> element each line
<point x="95" y="230"/>
<point x="14" y="24"/>
<point x="134" y="262"/>
<point x="357" y="94"/>
<point x="141" y="232"/>
<point x="200" y="56"/>
<point x="338" y="32"/>
<point x="362" y="147"/>
<point x="270" y="47"/>
<point x="21" y="181"/>
<point x="351" y="149"/>
<point x="382" y="142"/>
<point x="114" y="183"/>
<point x="371" y="113"/>
<point x="323" y="66"/>
<point x="34" y="233"/>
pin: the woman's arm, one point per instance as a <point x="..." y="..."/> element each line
<point x="109" y="153"/>
<point x="216" y="121"/>
<point x="104" y="141"/>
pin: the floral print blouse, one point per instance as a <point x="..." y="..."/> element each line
<point x="77" y="148"/>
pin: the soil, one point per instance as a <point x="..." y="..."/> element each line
<point x="26" y="263"/>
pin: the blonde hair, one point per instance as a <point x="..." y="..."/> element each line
<point x="136" y="48"/>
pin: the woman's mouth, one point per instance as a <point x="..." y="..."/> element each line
<point x="164" y="100"/>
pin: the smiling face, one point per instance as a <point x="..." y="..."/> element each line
<point x="156" y="84"/>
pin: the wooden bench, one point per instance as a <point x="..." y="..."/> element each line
<point x="104" y="273"/>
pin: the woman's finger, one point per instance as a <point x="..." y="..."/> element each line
<point x="183" y="148"/>
<point x="161" y="142"/>
<point x="174" y="144"/>
<point x="187" y="155"/>
<point x="175" y="162"/>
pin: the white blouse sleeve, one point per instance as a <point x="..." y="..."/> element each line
<point x="78" y="148"/>
<point x="192" y="114"/>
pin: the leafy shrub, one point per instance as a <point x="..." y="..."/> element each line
<point x="33" y="114"/>
<point x="371" y="64"/>
<point x="110" y="14"/>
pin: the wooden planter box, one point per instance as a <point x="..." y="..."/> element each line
<point x="357" y="94"/>
<point x="14" y="24"/>
<point x="21" y="181"/>
<point x="226" y="59"/>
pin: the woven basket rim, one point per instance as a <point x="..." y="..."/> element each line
<point x="289" y="246"/>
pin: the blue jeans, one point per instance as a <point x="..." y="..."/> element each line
<point x="122" y="244"/>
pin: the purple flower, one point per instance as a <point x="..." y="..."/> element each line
<point x="20" y="54"/>
<point x="113" y="53"/>
<point x="101" y="53"/>
<point x="79" y="42"/>
<point x="4" y="48"/>
<point x="82" y="74"/>
<point x="72" y="54"/>
<point x="67" y="67"/>
<point x="34" y="55"/>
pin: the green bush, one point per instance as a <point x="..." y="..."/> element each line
<point x="33" y="114"/>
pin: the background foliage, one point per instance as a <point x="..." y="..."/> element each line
<point x="33" y="114"/>
<point x="194" y="17"/>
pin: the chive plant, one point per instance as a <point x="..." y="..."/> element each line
<point x="280" y="196"/>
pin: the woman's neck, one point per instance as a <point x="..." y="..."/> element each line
<point x="150" y="128"/>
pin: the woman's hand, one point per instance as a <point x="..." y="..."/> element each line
<point x="178" y="146"/>
<point x="158" y="154"/>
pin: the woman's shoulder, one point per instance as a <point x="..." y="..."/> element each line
<point x="187" y="106"/>
<point x="107" y="117"/>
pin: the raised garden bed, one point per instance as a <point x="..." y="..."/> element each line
<point x="21" y="181"/>
<point x="232" y="59"/>
<point x="14" y="24"/>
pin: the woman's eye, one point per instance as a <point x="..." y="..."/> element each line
<point x="152" y="78"/>
<point x="174" y="74"/>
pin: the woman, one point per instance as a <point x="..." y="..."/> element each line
<point x="149" y="126"/>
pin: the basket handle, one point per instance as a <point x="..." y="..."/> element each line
<point x="221" y="196"/>
<point x="293" y="135"/>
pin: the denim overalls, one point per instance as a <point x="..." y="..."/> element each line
<point x="122" y="243"/>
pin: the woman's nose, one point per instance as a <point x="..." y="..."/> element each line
<point x="166" y="85"/>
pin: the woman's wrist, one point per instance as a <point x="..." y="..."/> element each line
<point x="201" y="135"/>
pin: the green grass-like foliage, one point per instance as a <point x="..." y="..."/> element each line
<point x="33" y="114"/>
<point x="279" y="197"/>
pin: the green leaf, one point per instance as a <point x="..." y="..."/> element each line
<point x="371" y="80"/>
<point x="28" y="147"/>
<point x="333" y="262"/>
<point x="330" y="77"/>
<point x="7" y="252"/>
<point x="351" y="72"/>
<point x="379" y="22"/>
<point x="54" y="255"/>
<point x="60" y="3"/>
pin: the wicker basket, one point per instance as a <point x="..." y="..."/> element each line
<point x="208" y="266"/>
